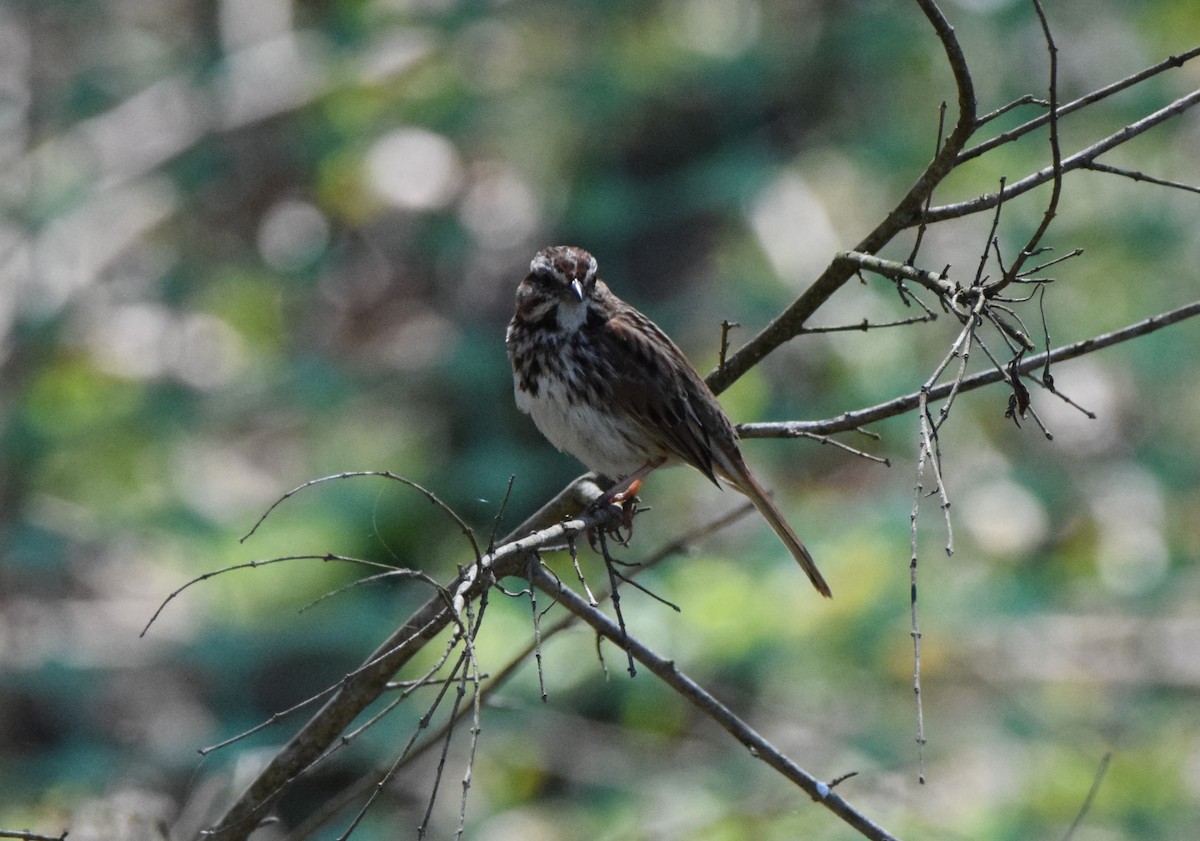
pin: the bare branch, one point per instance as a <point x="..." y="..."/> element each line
<point x="668" y="672"/>
<point x="908" y="211"/>
<point x="1080" y="160"/>
<point x="1095" y="96"/>
<point x="906" y="403"/>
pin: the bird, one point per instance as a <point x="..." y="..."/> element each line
<point x="606" y="385"/>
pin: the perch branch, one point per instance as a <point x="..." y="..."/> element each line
<point x="363" y="686"/>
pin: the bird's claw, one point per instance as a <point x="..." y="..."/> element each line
<point x="622" y="530"/>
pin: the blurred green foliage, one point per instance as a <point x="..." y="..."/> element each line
<point x="255" y="242"/>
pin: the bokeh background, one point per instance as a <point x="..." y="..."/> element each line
<point x="251" y="242"/>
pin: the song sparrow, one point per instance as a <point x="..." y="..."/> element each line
<point x="605" y="384"/>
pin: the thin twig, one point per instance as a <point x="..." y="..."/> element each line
<point x="1042" y="266"/>
<point x="865" y="325"/>
<point x="476" y="729"/>
<point x="1091" y="796"/>
<point x="1096" y="166"/>
<point x="370" y="579"/>
<point x="499" y="518"/>
<point x="536" y="558"/>
<point x="922" y="228"/>
<point x="1024" y="99"/>
<point x="939" y="284"/>
<point x="1035" y="239"/>
<point x="614" y="592"/>
<point x="441" y="764"/>
<point x="841" y="445"/>
<point x="726" y="326"/>
<point x="274" y="719"/>
<point x="574" y="550"/>
<point x="918" y="490"/>
<point x="991" y="239"/>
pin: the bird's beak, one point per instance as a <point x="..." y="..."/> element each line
<point x="577" y="288"/>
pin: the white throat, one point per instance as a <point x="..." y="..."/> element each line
<point x="571" y="315"/>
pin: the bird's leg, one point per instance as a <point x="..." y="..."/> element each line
<point x="628" y="487"/>
<point x="629" y="493"/>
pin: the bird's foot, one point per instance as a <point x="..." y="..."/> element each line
<point x="626" y="500"/>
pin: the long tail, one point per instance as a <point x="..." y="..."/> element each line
<point x="747" y="484"/>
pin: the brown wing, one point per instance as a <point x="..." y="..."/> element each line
<point x="654" y="384"/>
